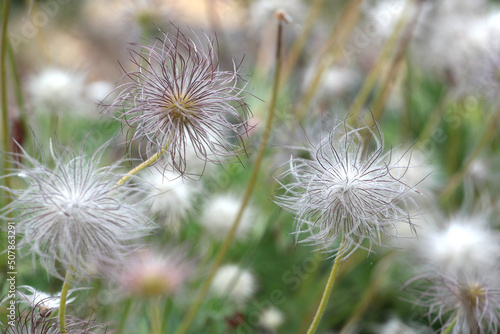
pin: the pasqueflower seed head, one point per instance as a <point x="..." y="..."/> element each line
<point x="34" y="319"/>
<point x="72" y="215"/>
<point x="342" y="192"/>
<point x="178" y="97"/>
<point x="473" y="299"/>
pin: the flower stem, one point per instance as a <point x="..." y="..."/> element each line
<point x="4" y="118"/>
<point x="246" y="198"/>
<point x="123" y="319"/>
<point x="62" y="305"/>
<point x="377" y="69"/>
<point x="331" y="53"/>
<point x="328" y="289"/>
<point x="458" y="177"/>
<point x="155" y="316"/>
<point x="448" y="329"/>
<point x="145" y="164"/>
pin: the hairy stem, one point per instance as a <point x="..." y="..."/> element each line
<point x="376" y="71"/>
<point x="123" y="318"/>
<point x="145" y="164"/>
<point x="449" y="329"/>
<point x="458" y="177"/>
<point x="246" y="198"/>
<point x="328" y="289"/>
<point x="62" y="305"/>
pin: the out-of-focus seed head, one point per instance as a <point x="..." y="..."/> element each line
<point x="178" y="97"/>
<point x="72" y="215"/>
<point x="235" y="283"/>
<point x="341" y="192"/>
<point x="172" y="197"/>
<point x="465" y="244"/>
<point x="45" y="302"/>
<point x="473" y="299"/>
<point x="150" y="273"/>
<point x="56" y="90"/>
<point x="219" y="213"/>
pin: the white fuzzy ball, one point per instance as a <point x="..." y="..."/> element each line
<point x="235" y="283"/>
<point x="271" y="318"/>
<point x="172" y="196"/>
<point x="464" y="245"/>
<point x="219" y="213"/>
<point x="56" y="90"/>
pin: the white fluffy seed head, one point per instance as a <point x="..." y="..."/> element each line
<point x="271" y="318"/>
<point x="172" y="196"/>
<point x="343" y="192"/>
<point x="465" y="244"/>
<point x="151" y="273"/>
<point x="219" y="213"/>
<point x="72" y="215"/>
<point x="56" y="90"/>
<point x="235" y="283"/>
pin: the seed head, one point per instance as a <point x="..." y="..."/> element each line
<point x="178" y="97"/>
<point x="474" y="299"/>
<point x="235" y="283"/>
<point x="71" y="215"/>
<point x="150" y="273"/>
<point x="341" y="192"/>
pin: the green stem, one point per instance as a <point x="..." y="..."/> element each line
<point x="155" y="316"/>
<point x="62" y="305"/>
<point x="184" y="326"/>
<point x="166" y="314"/>
<point x="145" y="164"/>
<point x="450" y="327"/>
<point x="5" y="119"/>
<point x="328" y="289"/>
<point x="395" y="64"/>
<point x="123" y="319"/>
<point x="376" y="71"/>
<point x="377" y="279"/>
<point x="331" y="53"/>
<point x="458" y="177"/>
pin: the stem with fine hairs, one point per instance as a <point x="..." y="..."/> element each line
<point x="184" y="326"/>
<point x="328" y="290"/>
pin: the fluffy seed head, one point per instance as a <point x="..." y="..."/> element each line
<point x="235" y="283"/>
<point x="341" y="191"/>
<point x="71" y="215"/>
<point x="474" y="299"/>
<point x="150" y="273"/>
<point x="172" y="196"/>
<point x="43" y="301"/>
<point x="57" y="90"/>
<point x="179" y="97"/>
<point x="464" y="245"/>
<point x="219" y="213"/>
<point x="271" y="318"/>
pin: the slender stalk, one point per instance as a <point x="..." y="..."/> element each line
<point x="246" y="198"/>
<point x="448" y="329"/>
<point x="145" y="164"/>
<point x="377" y="279"/>
<point x="166" y="314"/>
<point x="328" y="289"/>
<point x="396" y="63"/>
<point x="155" y="316"/>
<point x="332" y="52"/>
<point x="62" y="305"/>
<point x="123" y="319"/>
<point x="458" y="177"/>
<point x="5" y="119"/>
<point x="3" y="84"/>
<point x="376" y="71"/>
<point x="301" y="40"/>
